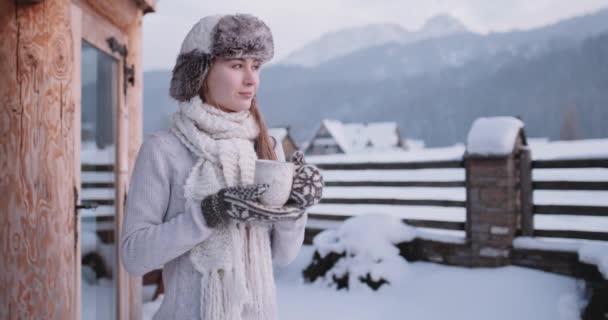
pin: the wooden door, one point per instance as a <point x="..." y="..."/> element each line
<point x="100" y="122"/>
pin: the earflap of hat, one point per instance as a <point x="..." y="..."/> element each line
<point x="188" y="74"/>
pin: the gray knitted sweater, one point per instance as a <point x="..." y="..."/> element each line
<point x="158" y="233"/>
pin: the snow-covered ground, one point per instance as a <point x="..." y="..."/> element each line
<point x="432" y="292"/>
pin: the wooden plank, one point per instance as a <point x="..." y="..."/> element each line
<point x="134" y="103"/>
<point x="572" y="210"/>
<point x="436" y="224"/>
<point x="570" y="163"/>
<point x="97" y="185"/>
<point x="330" y="217"/>
<point x="570" y="185"/>
<point x="133" y="131"/>
<point x="526" y="194"/>
<point x="101" y="202"/>
<point x="398" y="202"/>
<point x="571" y="234"/>
<point x="311" y="232"/>
<point x="392" y="165"/>
<point x="76" y="22"/>
<point x="98" y="167"/>
<point x="96" y="28"/>
<point x="100" y="219"/>
<point x="438" y="184"/>
<point x="120" y="13"/>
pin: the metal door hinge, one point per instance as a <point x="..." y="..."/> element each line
<point x="128" y="71"/>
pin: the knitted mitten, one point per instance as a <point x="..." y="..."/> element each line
<point x="307" y="186"/>
<point x="240" y="203"/>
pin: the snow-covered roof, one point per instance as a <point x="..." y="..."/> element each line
<point x="383" y="134"/>
<point x="493" y="136"/>
<point x="413" y="144"/>
<point x="337" y="131"/>
<point x="353" y="137"/>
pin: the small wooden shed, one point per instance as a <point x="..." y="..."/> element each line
<point x="70" y="97"/>
<point x="283" y="136"/>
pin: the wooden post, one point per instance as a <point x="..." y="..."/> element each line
<point x="526" y="192"/>
<point x="131" y="135"/>
<point x="37" y="224"/>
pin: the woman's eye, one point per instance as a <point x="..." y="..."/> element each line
<point x="237" y="66"/>
<point x="256" y="67"/>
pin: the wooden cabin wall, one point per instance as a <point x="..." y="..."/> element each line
<point x="37" y="224"/>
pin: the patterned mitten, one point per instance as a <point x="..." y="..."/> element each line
<point x="240" y="203"/>
<point x="307" y="188"/>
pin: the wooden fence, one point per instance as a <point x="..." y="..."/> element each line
<point x="99" y="177"/>
<point x="424" y="223"/>
<point x="530" y="209"/>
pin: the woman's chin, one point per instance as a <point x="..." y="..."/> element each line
<point x="243" y="106"/>
<point x="236" y="107"/>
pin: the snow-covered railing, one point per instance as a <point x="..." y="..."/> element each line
<point x="434" y="224"/>
<point x="492" y="184"/>
<point x="531" y="209"/>
<point x="98" y="190"/>
<point x="393" y="165"/>
<point x="393" y="184"/>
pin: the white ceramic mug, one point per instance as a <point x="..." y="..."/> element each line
<point x="279" y="176"/>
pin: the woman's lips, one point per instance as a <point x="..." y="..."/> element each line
<point x="247" y="95"/>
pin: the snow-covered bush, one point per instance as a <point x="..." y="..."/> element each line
<point x="362" y="252"/>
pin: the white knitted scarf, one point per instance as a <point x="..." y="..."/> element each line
<point x="235" y="262"/>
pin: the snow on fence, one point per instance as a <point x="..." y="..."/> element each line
<point x="99" y="193"/>
<point x="344" y="174"/>
<point x="529" y="209"/>
<point x="497" y="205"/>
<point x="342" y="177"/>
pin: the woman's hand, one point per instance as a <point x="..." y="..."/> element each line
<point x="241" y="203"/>
<point x="307" y="188"/>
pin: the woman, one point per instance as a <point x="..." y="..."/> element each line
<point x="192" y="208"/>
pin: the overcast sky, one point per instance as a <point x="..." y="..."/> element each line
<point x="295" y="23"/>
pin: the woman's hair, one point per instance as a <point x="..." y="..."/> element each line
<point x="264" y="148"/>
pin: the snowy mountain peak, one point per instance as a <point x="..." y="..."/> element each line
<point x="340" y="43"/>
<point x="343" y="42"/>
<point x="441" y="25"/>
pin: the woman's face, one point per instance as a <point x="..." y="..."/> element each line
<point x="233" y="83"/>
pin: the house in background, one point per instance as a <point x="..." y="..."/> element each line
<point x="283" y="136"/>
<point x="337" y="137"/>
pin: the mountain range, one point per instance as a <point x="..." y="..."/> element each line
<point x="434" y="81"/>
<point x="343" y="42"/>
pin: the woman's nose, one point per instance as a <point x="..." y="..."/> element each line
<point x="250" y="77"/>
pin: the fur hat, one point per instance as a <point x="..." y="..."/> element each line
<point x="226" y="36"/>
